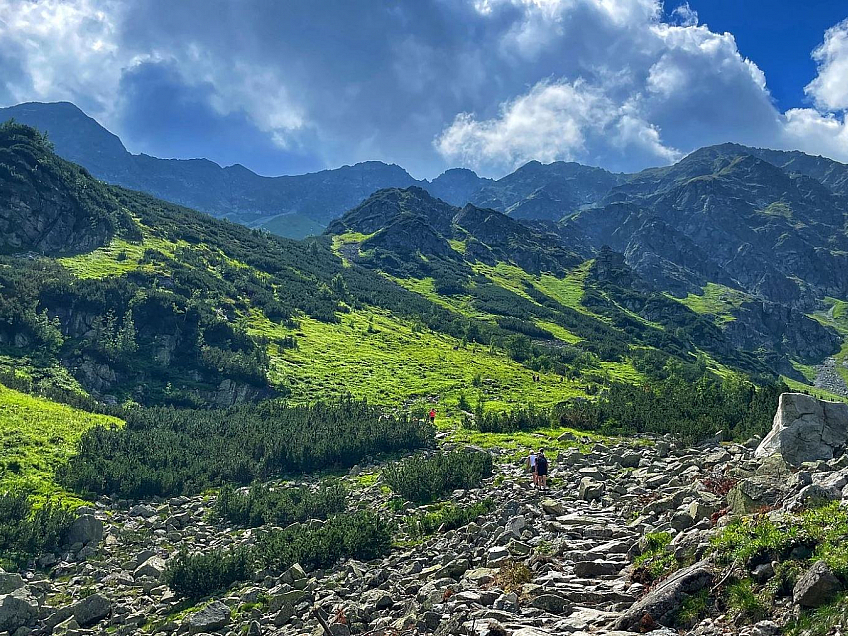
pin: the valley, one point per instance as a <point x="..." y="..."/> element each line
<point x="210" y="428"/>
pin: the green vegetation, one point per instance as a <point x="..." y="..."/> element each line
<point x="196" y="575"/>
<point x="37" y="436"/>
<point x="165" y="451"/>
<point x="27" y="531"/>
<point x="794" y="542"/>
<point x="295" y="226"/>
<point x="360" y="535"/>
<point x="280" y="505"/>
<point x="691" y="407"/>
<point x="444" y="517"/>
<point x="655" y="561"/>
<point x="717" y="300"/>
<point x="522" y="419"/>
<point x="425" y="478"/>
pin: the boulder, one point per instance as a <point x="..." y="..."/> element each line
<point x="91" y="609"/>
<point x="86" y="529"/>
<point x="17" y="609"/>
<point x="152" y="567"/>
<point x="590" y="489"/>
<point x="553" y="603"/>
<point x="10" y="582"/>
<point x="806" y="429"/>
<point x="210" y="619"/>
<point x="553" y="507"/>
<point x="662" y="601"/>
<point x="756" y="493"/>
<point x="816" y="586"/>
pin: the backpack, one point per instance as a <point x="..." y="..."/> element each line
<point x="541" y="463"/>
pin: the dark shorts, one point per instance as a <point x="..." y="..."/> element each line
<point x="541" y="471"/>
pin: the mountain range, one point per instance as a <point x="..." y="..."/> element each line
<point x="750" y="241"/>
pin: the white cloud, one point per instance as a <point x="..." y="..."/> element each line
<point x="655" y="88"/>
<point x="555" y="120"/>
<point x="64" y="48"/>
<point x="616" y="83"/>
<point x="829" y="89"/>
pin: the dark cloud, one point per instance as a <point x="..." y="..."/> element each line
<point x="164" y="116"/>
<point x="288" y="86"/>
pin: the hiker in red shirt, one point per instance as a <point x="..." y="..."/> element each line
<point x="432" y="416"/>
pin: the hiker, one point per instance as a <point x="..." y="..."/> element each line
<point x="531" y="462"/>
<point x="542" y="469"/>
<point x="432" y="416"/>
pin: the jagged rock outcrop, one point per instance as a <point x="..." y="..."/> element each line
<point x="806" y="429"/>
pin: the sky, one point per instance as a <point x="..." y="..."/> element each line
<point x="296" y="86"/>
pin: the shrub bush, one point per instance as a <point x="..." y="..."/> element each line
<point x="166" y="451"/>
<point x="422" y="478"/>
<point x="26" y="531"/>
<point x="448" y="517"/>
<point x="281" y="505"/>
<point x="361" y="535"/>
<point x="194" y="576"/>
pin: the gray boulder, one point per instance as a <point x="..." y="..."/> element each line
<point x="152" y="567"/>
<point x="806" y="429"/>
<point x="590" y="489"/>
<point x="661" y="602"/>
<point x="816" y="587"/>
<point x="10" y="582"/>
<point x="91" y="609"/>
<point x="17" y="609"/>
<point x="210" y="619"/>
<point x="86" y="529"/>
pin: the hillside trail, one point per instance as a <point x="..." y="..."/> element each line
<point x="557" y="562"/>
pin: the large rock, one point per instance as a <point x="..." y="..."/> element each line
<point x="152" y="567"/>
<point x="661" y="602"/>
<point x="754" y="494"/>
<point x="816" y="587"/>
<point x="590" y="489"/>
<point x="91" y="609"/>
<point x="17" y="610"/>
<point x="86" y="529"/>
<point x="9" y="582"/>
<point x="806" y="429"/>
<point x="210" y="619"/>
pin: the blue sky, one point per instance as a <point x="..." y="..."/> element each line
<point x="295" y="86"/>
<point x="778" y="35"/>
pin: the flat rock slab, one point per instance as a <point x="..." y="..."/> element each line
<point x="661" y="602"/>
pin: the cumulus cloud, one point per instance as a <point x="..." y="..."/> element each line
<point x="830" y="88"/>
<point x="656" y="89"/>
<point x="427" y="84"/>
<point x="555" y="120"/>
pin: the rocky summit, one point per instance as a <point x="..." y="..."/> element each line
<point x="632" y="535"/>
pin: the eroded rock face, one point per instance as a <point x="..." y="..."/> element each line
<point x="806" y="429"/>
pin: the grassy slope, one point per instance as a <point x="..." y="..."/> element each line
<point x="36" y="435"/>
<point x="374" y="355"/>
<point x="716" y="300"/>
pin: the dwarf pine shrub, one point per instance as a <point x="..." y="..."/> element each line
<point x="425" y="478"/>
<point x="448" y="517"/>
<point x="194" y="576"/>
<point x="280" y="505"/>
<point x="27" y="531"/>
<point x="360" y="535"/>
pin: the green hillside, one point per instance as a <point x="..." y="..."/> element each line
<point x="406" y="302"/>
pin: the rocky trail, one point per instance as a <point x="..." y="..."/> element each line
<point x="559" y="562"/>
